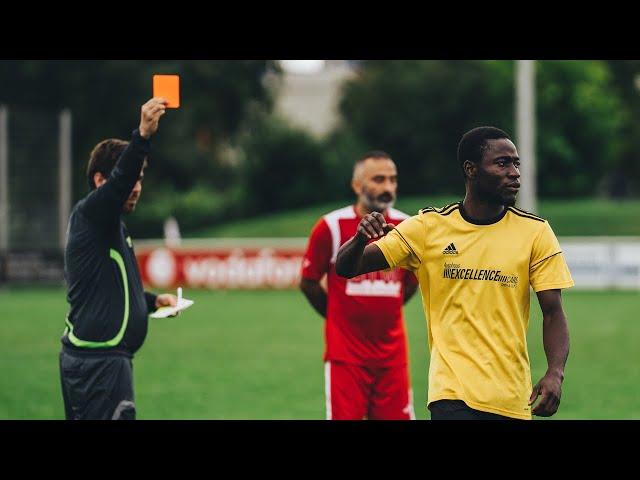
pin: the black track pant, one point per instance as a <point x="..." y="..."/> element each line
<point x="458" y="410"/>
<point x="97" y="387"/>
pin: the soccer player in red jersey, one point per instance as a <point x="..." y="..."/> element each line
<point x="366" y="358"/>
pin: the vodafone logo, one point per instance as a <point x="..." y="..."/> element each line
<point x="161" y="268"/>
<point x="266" y="269"/>
<point x="221" y="268"/>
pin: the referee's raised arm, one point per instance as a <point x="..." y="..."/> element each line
<point x="107" y="200"/>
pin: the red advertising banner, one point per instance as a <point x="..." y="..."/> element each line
<point x="242" y="264"/>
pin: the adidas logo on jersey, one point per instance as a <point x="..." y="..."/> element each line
<point x="450" y="250"/>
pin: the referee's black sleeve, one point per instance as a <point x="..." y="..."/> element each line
<point x="103" y="205"/>
<point x="151" y="301"/>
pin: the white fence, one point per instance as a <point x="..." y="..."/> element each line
<point x="603" y="262"/>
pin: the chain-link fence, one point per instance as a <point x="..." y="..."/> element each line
<point x="35" y="193"/>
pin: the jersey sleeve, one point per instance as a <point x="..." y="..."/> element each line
<point x="403" y="246"/>
<point x="548" y="269"/>
<point x="317" y="257"/>
<point x="105" y="203"/>
<point x="150" y="298"/>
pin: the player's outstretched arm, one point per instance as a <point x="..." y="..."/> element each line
<point x="555" y="335"/>
<point x="315" y="294"/>
<point x="410" y="287"/>
<point x="355" y="257"/>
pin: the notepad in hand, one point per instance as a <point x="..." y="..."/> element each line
<point x="164" y="312"/>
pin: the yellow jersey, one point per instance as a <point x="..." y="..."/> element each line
<point x="474" y="279"/>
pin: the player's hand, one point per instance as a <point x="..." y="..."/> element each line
<point x="150" y="116"/>
<point x="550" y="389"/>
<point x="373" y="225"/>
<point x="167" y="300"/>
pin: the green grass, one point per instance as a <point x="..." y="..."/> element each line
<point x="567" y="217"/>
<point x="258" y="355"/>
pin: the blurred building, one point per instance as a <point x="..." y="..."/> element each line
<point x="309" y="91"/>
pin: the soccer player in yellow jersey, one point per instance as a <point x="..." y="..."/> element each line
<point x="475" y="261"/>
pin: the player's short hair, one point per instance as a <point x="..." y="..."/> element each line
<point x="474" y="143"/>
<point x="376" y="154"/>
<point x="104" y="157"/>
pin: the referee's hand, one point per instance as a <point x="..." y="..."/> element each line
<point x="150" y="114"/>
<point x="373" y="225"/>
<point x="167" y="300"/>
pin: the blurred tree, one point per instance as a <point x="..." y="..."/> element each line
<point x="418" y="110"/>
<point x="105" y="98"/>
<point x="579" y="127"/>
<point x="283" y="167"/>
<point x="625" y="178"/>
<point x="223" y="154"/>
<point x="342" y="149"/>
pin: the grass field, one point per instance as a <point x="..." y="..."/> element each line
<point x="567" y="217"/>
<point x="258" y="355"/>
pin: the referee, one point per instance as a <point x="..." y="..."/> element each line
<point x="107" y="321"/>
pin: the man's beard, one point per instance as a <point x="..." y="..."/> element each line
<point x="496" y="198"/>
<point x="509" y="202"/>
<point x="378" y="203"/>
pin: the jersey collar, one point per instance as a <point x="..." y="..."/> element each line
<point x="489" y="221"/>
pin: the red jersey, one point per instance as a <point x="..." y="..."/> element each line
<point x="364" y="314"/>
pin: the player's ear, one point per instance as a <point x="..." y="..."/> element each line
<point x="356" y="186"/>
<point x="470" y="169"/>
<point x="98" y="179"/>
